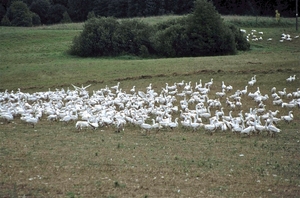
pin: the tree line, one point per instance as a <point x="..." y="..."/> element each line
<point x="36" y="12"/>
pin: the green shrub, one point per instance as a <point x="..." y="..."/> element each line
<point x="240" y="39"/>
<point x="131" y="35"/>
<point x="108" y="37"/>
<point x="97" y="38"/>
<point x="201" y="33"/>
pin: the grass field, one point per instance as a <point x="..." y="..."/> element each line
<point x="55" y="160"/>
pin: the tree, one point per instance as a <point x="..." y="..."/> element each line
<point x="100" y="7"/>
<point x="5" y="21"/>
<point x="207" y="31"/>
<point x="55" y="13"/>
<point x="79" y="9"/>
<point x="2" y="11"/>
<point x="118" y="8"/>
<point x="19" y="14"/>
<point x="36" y="20"/>
<point x="61" y="2"/>
<point x="41" y="7"/>
<point x="66" y="18"/>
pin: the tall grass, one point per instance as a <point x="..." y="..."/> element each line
<point x="260" y="22"/>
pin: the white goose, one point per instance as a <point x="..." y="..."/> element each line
<point x="288" y="118"/>
<point x="174" y="124"/>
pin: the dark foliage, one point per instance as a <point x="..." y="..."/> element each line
<point x="36" y="20"/>
<point x="202" y="33"/>
<point x="41" y="8"/>
<point x="79" y="9"/>
<point x="19" y="14"/>
<point x="240" y="38"/>
<point x="55" y="13"/>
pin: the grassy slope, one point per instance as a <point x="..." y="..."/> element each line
<point x="53" y="160"/>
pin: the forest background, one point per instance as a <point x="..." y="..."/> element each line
<point x="37" y="12"/>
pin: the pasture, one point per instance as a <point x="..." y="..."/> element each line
<point x="54" y="159"/>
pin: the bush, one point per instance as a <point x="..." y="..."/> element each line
<point x="201" y="33"/>
<point x="240" y="39"/>
<point x="131" y="35"/>
<point x="108" y="37"/>
<point x="97" y="38"/>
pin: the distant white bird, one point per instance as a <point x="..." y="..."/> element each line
<point x="291" y="78"/>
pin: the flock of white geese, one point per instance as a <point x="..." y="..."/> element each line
<point x="180" y="105"/>
<point x="258" y="36"/>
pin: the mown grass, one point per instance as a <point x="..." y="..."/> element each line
<point x="55" y="160"/>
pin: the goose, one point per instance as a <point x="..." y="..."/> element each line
<point x="180" y="84"/>
<point x="223" y="85"/>
<point x="288" y="118"/>
<point x="258" y="127"/>
<point x="171" y="88"/>
<point x="211" y="127"/>
<point x="221" y="94"/>
<point x="248" y="130"/>
<point x="244" y="91"/>
<point x="273" y="90"/>
<point x="236" y="128"/>
<point x="252" y="81"/>
<point x="81" y="124"/>
<point x="7" y="116"/>
<point x="155" y="125"/>
<point x="283" y="92"/>
<point x="186" y="122"/>
<point x="187" y="86"/>
<point x="277" y="102"/>
<point x="229" y="117"/>
<point x="291" y="78"/>
<point x="116" y="87"/>
<point x="133" y="89"/>
<point x="194" y="125"/>
<point x="31" y="120"/>
<point x="208" y="84"/>
<point x="272" y="129"/>
<point x="206" y="115"/>
<point x="174" y="124"/>
<point x="146" y="127"/>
